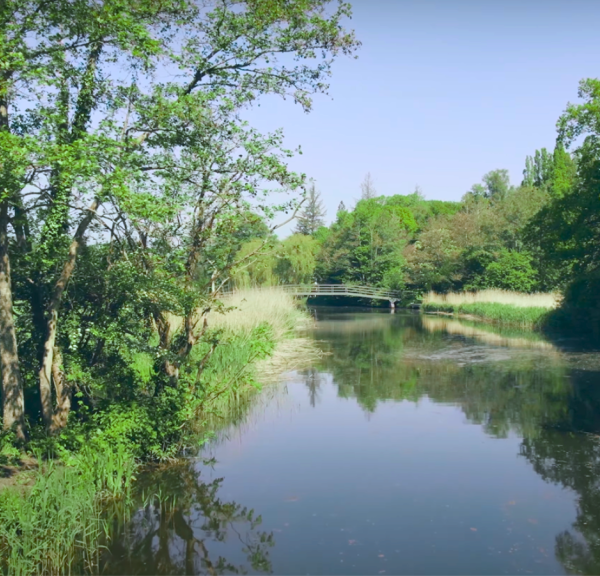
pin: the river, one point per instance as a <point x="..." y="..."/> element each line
<point x="415" y="445"/>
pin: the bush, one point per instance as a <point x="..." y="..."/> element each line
<point x="580" y="308"/>
<point x="508" y="271"/>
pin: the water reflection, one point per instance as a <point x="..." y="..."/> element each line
<point x="184" y="527"/>
<point x="415" y="487"/>
<point x="573" y="461"/>
<point x="507" y="382"/>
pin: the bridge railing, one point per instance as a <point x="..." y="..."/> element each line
<point x="341" y="290"/>
<point x="334" y="290"/>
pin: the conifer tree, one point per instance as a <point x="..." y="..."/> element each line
<point x="312" y="217"/>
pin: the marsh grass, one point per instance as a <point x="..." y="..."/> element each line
<point x="260" y="343"/>
<point x="247" y="309"/>
<point x="506" y="297"/>
<point x="499" y="313"/>
<point x="499" y="306"/>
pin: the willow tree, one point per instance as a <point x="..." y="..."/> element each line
<point x="84" y="118"/>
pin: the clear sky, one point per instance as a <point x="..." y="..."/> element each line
<point x="442" y="92"/>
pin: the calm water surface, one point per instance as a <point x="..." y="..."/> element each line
<point x="416" y="445"/>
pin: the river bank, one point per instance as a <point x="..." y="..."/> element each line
<point x="504" y="314"/>
<point x="53" y="508"/>
<point x="497" y="306"/>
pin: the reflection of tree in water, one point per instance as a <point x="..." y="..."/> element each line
<point x="572" y="460"/>
<point x="312" y="379"/>
<point x="361" y="361"/>
<point x="175" y="530"/>
<point x="569" y="455"/>
<point x="501" y="396"/>
<point x="554" y="407"/>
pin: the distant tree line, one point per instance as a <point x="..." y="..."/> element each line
<point x="542" y="234"/>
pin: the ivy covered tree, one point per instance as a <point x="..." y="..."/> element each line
<point x="95" y="150"/>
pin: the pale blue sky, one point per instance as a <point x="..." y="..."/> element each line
<point x="442" y="92"/>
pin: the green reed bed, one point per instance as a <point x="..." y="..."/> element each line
<point x="501" y="313"/>
<point x="59" y="524"/>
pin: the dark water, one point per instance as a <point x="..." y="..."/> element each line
<point x="417" y="445"/>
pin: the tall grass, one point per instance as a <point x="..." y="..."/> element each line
<point x="260" y="343"/>
<point x="59" y="525"/>
<point x="516" y="299"/>
<point x="251" y="307"/>
<point x="501" y="306"/>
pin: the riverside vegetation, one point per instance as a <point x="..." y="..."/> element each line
<point x="124" y="203"/>
<point x="62" y="522"/>
<point x="501" y="306"/>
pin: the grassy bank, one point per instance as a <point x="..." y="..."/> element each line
<point x="498" y="306"/>
<point x="59" y="523"/>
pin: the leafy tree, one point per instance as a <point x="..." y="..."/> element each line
<point x="296" y="259"/>
<point x="564" y="172"/>
<point x="538" y="170"/>
<point x="497" y="184"/>
<point x="292" y="261"/>
<point x="567" y="229"/>
<point x="94" y="147"/>
<point x="508" y="270"/>
<point x="312" y="216"/>
<point x="365" y="245"/>
<point x="555" y="172"/>
<point x="420" y="208"/>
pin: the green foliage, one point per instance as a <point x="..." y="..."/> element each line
<point x="497" y="184"/>
<point x="132" y="199"/>
<point x="509" y="270"/>
<point x="58" y="525"/>
<point x="565" y="233"/>
<point x="296" y="259"/>
<point x="291" y="261"/>
<point x="365" y="246"/>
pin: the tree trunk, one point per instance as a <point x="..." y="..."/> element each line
<point x="63" y="394"/>
<point x="45" y="373"/>
<point x="12" y="385"/>
<point x="170" y="368"/>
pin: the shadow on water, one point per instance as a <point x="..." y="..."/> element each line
<point x="184" y="528"/>
<point x="507" y="381"/>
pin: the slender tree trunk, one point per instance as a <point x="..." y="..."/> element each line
<point x="12" y="385"/>
<point x="45" y="373"/>
<point x="63" y="393"/>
